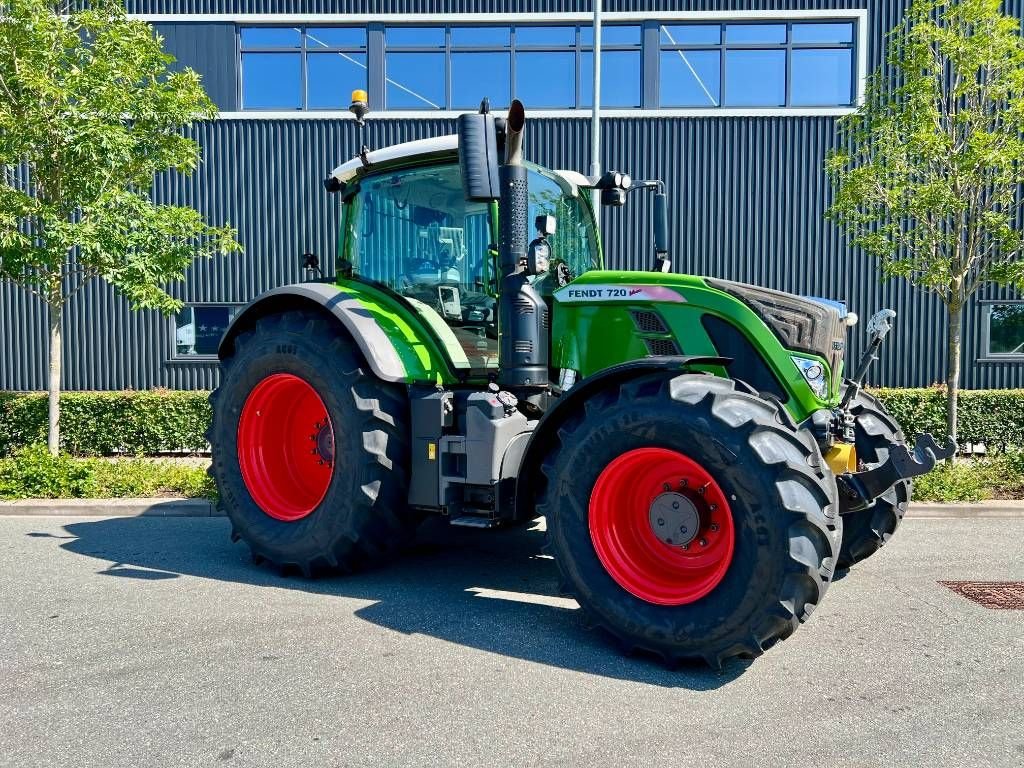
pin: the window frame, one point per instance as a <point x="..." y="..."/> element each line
<point x="986" y="354"/>
<point x="176" y="357"/>
<point x="303" y="52"/>
<point x="649" y="46"/>
<point x="723" y="47"/>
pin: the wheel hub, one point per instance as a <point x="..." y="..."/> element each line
<point x="661" y="526"/>
<point x="324" y="439"/>
<point x="674" y="519"/>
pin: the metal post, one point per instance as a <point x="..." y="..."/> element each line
<point x="595" y="115"/>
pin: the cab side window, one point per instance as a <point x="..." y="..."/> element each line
<point x="414" y="231"/>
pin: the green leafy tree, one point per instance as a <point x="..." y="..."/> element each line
<point x="929" y="171"/>
<point x="90" y="112"/>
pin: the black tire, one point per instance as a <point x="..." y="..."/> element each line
<point x="363" y="515"/>
<point x="867" y="530"/>
<point x="783" y="502"/>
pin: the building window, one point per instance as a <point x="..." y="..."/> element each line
<point x="794" y="64"/>
<point x="547" y="67"/>
<point x="1004" y="330"/>
<point x="301" y="67"/>
<point x="198" y="329"/>
<point x="430" y="68"/>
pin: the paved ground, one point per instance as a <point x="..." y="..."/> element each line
<point x="155" y="642"/>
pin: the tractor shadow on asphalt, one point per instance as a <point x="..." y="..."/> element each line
<point x="488" y="590"/>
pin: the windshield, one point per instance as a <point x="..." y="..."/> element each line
<point x="413" y="227"/>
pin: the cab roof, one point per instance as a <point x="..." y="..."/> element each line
<point x="424" y="149"/>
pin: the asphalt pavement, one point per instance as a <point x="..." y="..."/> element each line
<point x="156" y="642"/>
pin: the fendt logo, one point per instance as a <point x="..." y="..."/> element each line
<point x="600" y="293"/>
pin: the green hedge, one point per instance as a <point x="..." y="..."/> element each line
<point x="991" y="416"/>
<point x="163" y="421"/>
<point x="105" y="423"/>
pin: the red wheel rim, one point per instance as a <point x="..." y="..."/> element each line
<point x="625" y="514"/>
<point x="285" y="447"/>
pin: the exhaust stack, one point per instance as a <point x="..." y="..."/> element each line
<point x="523" y="325"/>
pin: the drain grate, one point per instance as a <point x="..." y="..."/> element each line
<point x="1001" y="595"/>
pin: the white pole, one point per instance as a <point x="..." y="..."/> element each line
<point x="595" y="115"/>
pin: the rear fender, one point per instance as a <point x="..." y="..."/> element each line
<point x="396" y="344"/>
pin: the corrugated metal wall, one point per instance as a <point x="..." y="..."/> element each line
<point x="749" y="195"/>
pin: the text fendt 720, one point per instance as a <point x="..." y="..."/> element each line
<point x="701" y="462"/>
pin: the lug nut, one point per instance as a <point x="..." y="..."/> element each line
<point x="714" y="526"/>
<point x="686" y="547"/>
<point x="703" y="542"/>
<point x="712" y="507"/>
<point x="683" y="483"/>
<point x="675" y="505"/>
<point x="666" y="486"/>
<point x="661" y="521"/>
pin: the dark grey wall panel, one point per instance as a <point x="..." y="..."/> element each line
<point x="209" y="49"/>
<point x="749" y="198"/>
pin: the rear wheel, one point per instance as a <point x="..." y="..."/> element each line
<point x="867" y="530"/>
<point x="689" y="519"/>
<point x="310" y="452"/>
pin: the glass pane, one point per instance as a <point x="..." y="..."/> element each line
<point x="546" y="79"/>
<point x="198" y="330"/>
<point x="755" y="33"/>
<point x="823" y="33"/>
<point x="414" y="80"/>
<point x="332" y="77"/>
<point x="620" y="79"/>
<point x="271" y="81"/>
<point x="431" y="37"/>
<point x="277" y="37"/>
<point x="755" y="78"/>
<point x="414" y="231"/>
<point x="691" y="34"/>
<point x="557" y="36"/>
<point x="574" y="241"/>
<point x="690" y="78"/>
<point x="336" y="37"/>
<point x="1006" y="329"/>
<point x="475" y="36"/>
<point x="611" y="35"/>
<point x="822" y="78"/>
<point x="475" y="75"/>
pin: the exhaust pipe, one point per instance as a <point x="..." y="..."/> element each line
<point x="523" y="325"/>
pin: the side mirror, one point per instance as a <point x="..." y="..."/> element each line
<point x="478" y="155"/>
<point x="660" y="223"/>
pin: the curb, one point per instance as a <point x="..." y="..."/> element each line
<point x="1007" y="510"/>
<point x="172" y="507"/>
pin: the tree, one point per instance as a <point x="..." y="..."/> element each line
<point x="90" y="112"/>
<point x="929" y="169"/>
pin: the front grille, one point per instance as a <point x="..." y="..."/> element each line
<point x="802" y="325"/>
<point x="662" y="347"/>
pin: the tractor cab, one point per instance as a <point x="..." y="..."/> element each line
<point x="408" y="226"/>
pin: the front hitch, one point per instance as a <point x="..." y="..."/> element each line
<point x="859" y="490"/>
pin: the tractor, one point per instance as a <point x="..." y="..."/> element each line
<point x="703" y="466"/>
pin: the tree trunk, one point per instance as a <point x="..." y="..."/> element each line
<point x="56" y="315"/>
<point x="955" y="331"/>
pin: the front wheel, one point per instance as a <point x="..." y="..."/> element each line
<point x="689" y="519"/>
<point x="868" y="530"/>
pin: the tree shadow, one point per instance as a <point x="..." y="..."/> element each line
<point x="489" y="590"/>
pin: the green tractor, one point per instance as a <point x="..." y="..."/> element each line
<point x="701" y="463"/>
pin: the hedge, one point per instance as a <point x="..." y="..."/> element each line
<point x="165" y="421"/>
<point x="994" y="417"/>
<point x="107" y="423"/>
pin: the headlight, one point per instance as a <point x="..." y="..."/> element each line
<point x="814" y="373"/>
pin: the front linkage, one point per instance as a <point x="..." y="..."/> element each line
<point x="859" y="490"/>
